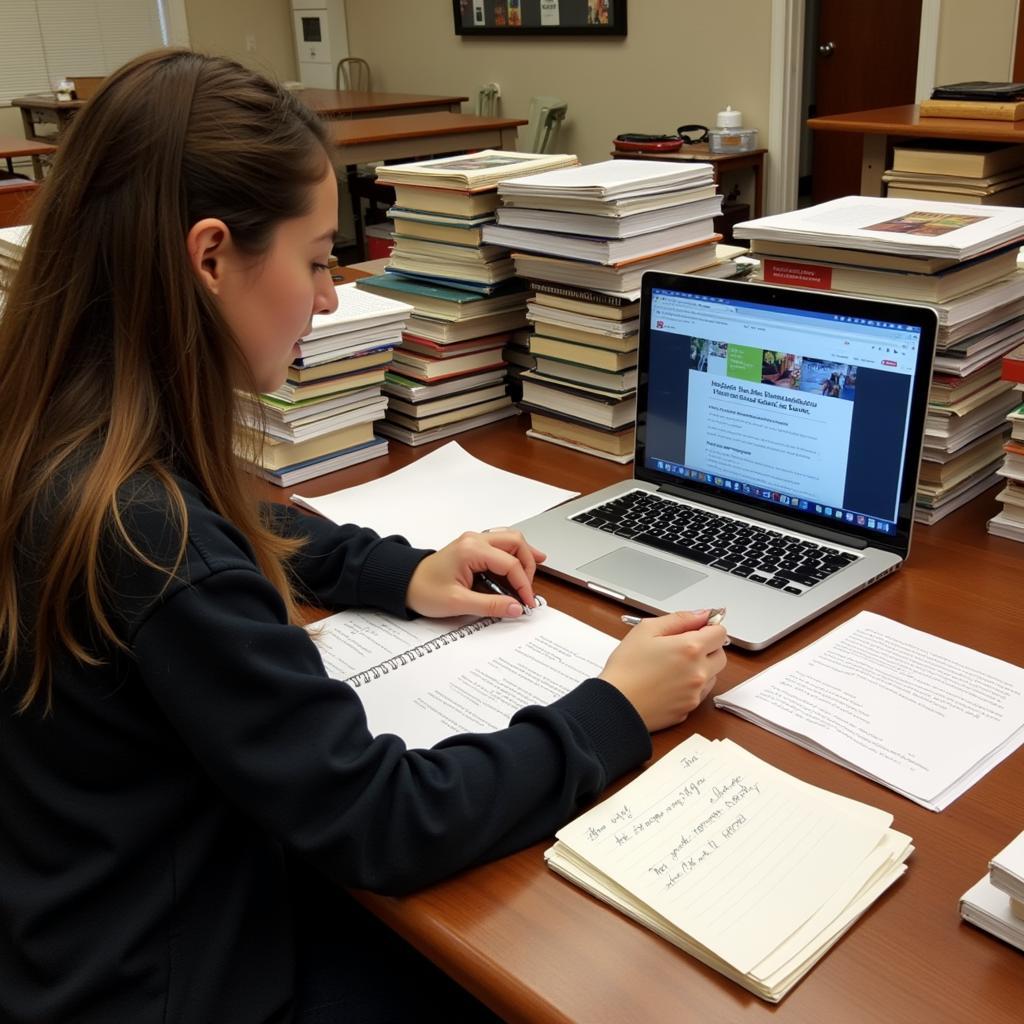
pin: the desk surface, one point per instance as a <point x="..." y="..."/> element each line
<point x="12" y="146"/>
<point x="536" y="948"/>
<point x="907" y="120"/>
<point x="370" y="130"/>
<point x="333" y="101"/>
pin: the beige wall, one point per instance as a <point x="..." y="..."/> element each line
<point x="222" y="27"/>
<point x="681" y="62"/>
<point x="976" y="41"/>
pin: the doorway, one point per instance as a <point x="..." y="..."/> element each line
<point x="858" y="56"/>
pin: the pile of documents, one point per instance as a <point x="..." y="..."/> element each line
<point x="582" y="237"/>
<point x="752" y="871"/>
<point x="449" y="372"/>
<point x="12" y="245"/>
<point x="996" y="902"/>
<point x="961" y="260"/>
<point x="321" y="419"/>
<point x="926" y="717"/>
<point x="1010" y="521"/>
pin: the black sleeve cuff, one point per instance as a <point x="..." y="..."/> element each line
<point x="617" y="732"/>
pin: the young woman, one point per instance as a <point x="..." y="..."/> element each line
<point x="176" y="768"/>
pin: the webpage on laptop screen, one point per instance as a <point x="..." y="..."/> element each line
<point x="804" y="409"/>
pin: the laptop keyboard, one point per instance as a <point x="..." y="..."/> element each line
<point x="757" y="553"/>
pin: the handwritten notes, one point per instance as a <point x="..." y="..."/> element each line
<point x="732" y="859"/>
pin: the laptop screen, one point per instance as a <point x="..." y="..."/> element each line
<point x="800" y="402"/>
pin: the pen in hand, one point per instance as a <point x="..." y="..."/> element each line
<point x="715" y="617"/>
<point x="487" y="582"/>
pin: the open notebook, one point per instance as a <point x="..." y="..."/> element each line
<point x="748" y="869"/>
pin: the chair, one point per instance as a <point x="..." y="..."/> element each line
<point x="545" y="121"/>
<point x="352" y="75"/>
<point x="487" y="100"/>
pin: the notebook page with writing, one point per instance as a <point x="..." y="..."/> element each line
<point x="717" y="843"/>
<point x="428" y="679"/>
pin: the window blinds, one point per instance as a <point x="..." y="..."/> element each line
<point x="44" y="41"/>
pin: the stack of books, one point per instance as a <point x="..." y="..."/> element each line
<point x="322" y="418"/>
<point x="12" y="245"/>
<point x="996" y="902"/>
<point x="1010" y="521"/>
<point x="582" y="237"/>
<point x="960" y="260"/>
<point x="449" y="374"/>
<point x="979" y="173"/>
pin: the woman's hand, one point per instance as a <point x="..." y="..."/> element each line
<point x="666" y="666"/>
<point x="442" y="584"/>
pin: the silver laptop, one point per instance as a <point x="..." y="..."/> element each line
<point x="778" y="441"/>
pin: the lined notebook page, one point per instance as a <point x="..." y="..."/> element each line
<point x="731" y="851"/>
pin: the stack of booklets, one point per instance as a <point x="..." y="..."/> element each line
<point x="449" y="374"/>
<point x="979" y="173"/>
<point x="12" y="245"/>
<point x="582" y="237"/>
<point x="996" y="902"/>
<point x="1010" y="521"/>
<point x="959" y="259"/>
<point x="752" y="871"/>
<point x="322" y="418"/>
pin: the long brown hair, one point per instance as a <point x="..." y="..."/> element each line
<point x="113" y="357"/>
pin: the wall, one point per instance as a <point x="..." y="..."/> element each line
<point x="230" y="27"/>
<point x="976" y="40"/>
<point x="681" y="62"/>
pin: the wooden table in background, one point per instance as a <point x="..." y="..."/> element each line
<point x="13" y="148"/>
<point x="536" y="948"/>
<point x="880" y="127"/>
<point x="44" y="109"/>
<point x="334" y="103"/>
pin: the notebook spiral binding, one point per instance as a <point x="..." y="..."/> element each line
<point x="369" y="675"/>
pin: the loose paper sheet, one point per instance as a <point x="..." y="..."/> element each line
<point x="434" y="499"/>
<point x="919" y="714"/>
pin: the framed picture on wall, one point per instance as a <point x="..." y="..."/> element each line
<point x="510" y="18"/>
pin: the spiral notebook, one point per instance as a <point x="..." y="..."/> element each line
<point x="427" y="679"/>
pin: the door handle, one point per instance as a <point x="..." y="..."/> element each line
<point x="827" y="49"/>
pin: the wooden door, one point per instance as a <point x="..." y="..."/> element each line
<point x="865" y="57"/>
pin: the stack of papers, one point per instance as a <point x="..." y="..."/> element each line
<point x="923" y="716"/>
<point x="916" y="227"/>
<point x="12" y="245"/>
<point x="996" y="902"/>
<point x="752" y="871"/>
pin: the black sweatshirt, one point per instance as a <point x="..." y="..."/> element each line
<point x="145" y="824"/>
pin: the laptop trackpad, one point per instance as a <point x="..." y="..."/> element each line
<point x="642" y="574"/>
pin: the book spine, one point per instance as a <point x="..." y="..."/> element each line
<point x="371" y="675"/>
<point x="978" y="110"/>
<point x="802" y="275"/>
<point x="580" y="294"/>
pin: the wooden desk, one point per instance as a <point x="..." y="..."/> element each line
<point x="12" y="148"/>
<point x="880" y="127"/>
<point x="538" y="949"/>
<point x="334" y="103"/>
<point x="752" y="160"/>
<point x="44" y="109"/>
<point x="408" y="136"/>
